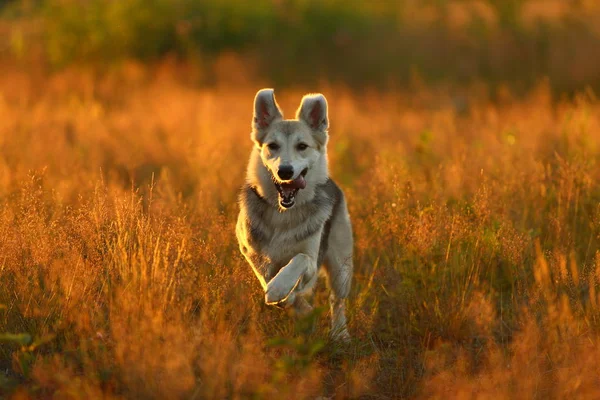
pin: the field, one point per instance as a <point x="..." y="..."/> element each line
<point x="465" y="134"/>
<point x="476" y="227"/>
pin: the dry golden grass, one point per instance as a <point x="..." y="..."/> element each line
<point x="476" y="225"/>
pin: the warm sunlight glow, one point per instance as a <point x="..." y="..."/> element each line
<point x="465" y="136"/>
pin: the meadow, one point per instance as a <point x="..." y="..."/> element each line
<point x="476" y="221"/>
<point x="465" y="134"/>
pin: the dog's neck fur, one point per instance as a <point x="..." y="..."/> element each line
<point x="259" y="177"/>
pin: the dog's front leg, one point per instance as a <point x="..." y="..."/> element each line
<point x="281" y="287"/>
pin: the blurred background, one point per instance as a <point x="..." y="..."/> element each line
<point x="380" y="44"/>
<point x="465" y="135"/>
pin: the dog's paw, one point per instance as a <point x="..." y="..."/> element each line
<point x="283" y="284"/>
<point x="274" y="297"/>
<point x="278" y="294"/>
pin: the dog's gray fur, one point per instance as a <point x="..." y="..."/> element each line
<point x="286" y="246"/>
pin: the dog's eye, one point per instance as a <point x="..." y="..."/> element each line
<point x="273" y="146"/>
<point x="302" y="146"/>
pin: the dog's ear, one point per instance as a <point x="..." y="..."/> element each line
<point x="313" y="111"/>
<point x="266" y="111"/>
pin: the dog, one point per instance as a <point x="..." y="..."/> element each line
<point x="293" y="217"/>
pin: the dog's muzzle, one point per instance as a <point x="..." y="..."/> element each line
<point x="289" y="189"/>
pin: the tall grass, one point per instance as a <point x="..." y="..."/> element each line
<point x="476" y="228"/>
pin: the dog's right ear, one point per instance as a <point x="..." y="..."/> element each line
<point x="266" y="111"/>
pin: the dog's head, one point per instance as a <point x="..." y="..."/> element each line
<point x="289" y="149"/>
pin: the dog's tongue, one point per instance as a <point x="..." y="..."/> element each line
<point x="298" y="183"/>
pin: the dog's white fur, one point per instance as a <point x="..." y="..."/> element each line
<point x="285" y="245"/>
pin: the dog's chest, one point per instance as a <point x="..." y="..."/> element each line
<point x="291" y="233"/>
<point x="279" y="236"/>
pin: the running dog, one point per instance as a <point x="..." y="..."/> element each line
<point x="293" y="217"/>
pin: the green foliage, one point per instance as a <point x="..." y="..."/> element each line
<point x="297" y="41"/>
<point x="300" y="351"/>
<point x="22" y="339"/>
<point x="110" y="30"/>
<point x="23" y="356"/>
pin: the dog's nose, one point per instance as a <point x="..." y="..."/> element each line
<point x="285" y="172"/>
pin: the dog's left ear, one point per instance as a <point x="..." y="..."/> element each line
<point x="313" y="111"/>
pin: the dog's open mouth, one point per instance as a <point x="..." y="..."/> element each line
<point x="289" y="189"/>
